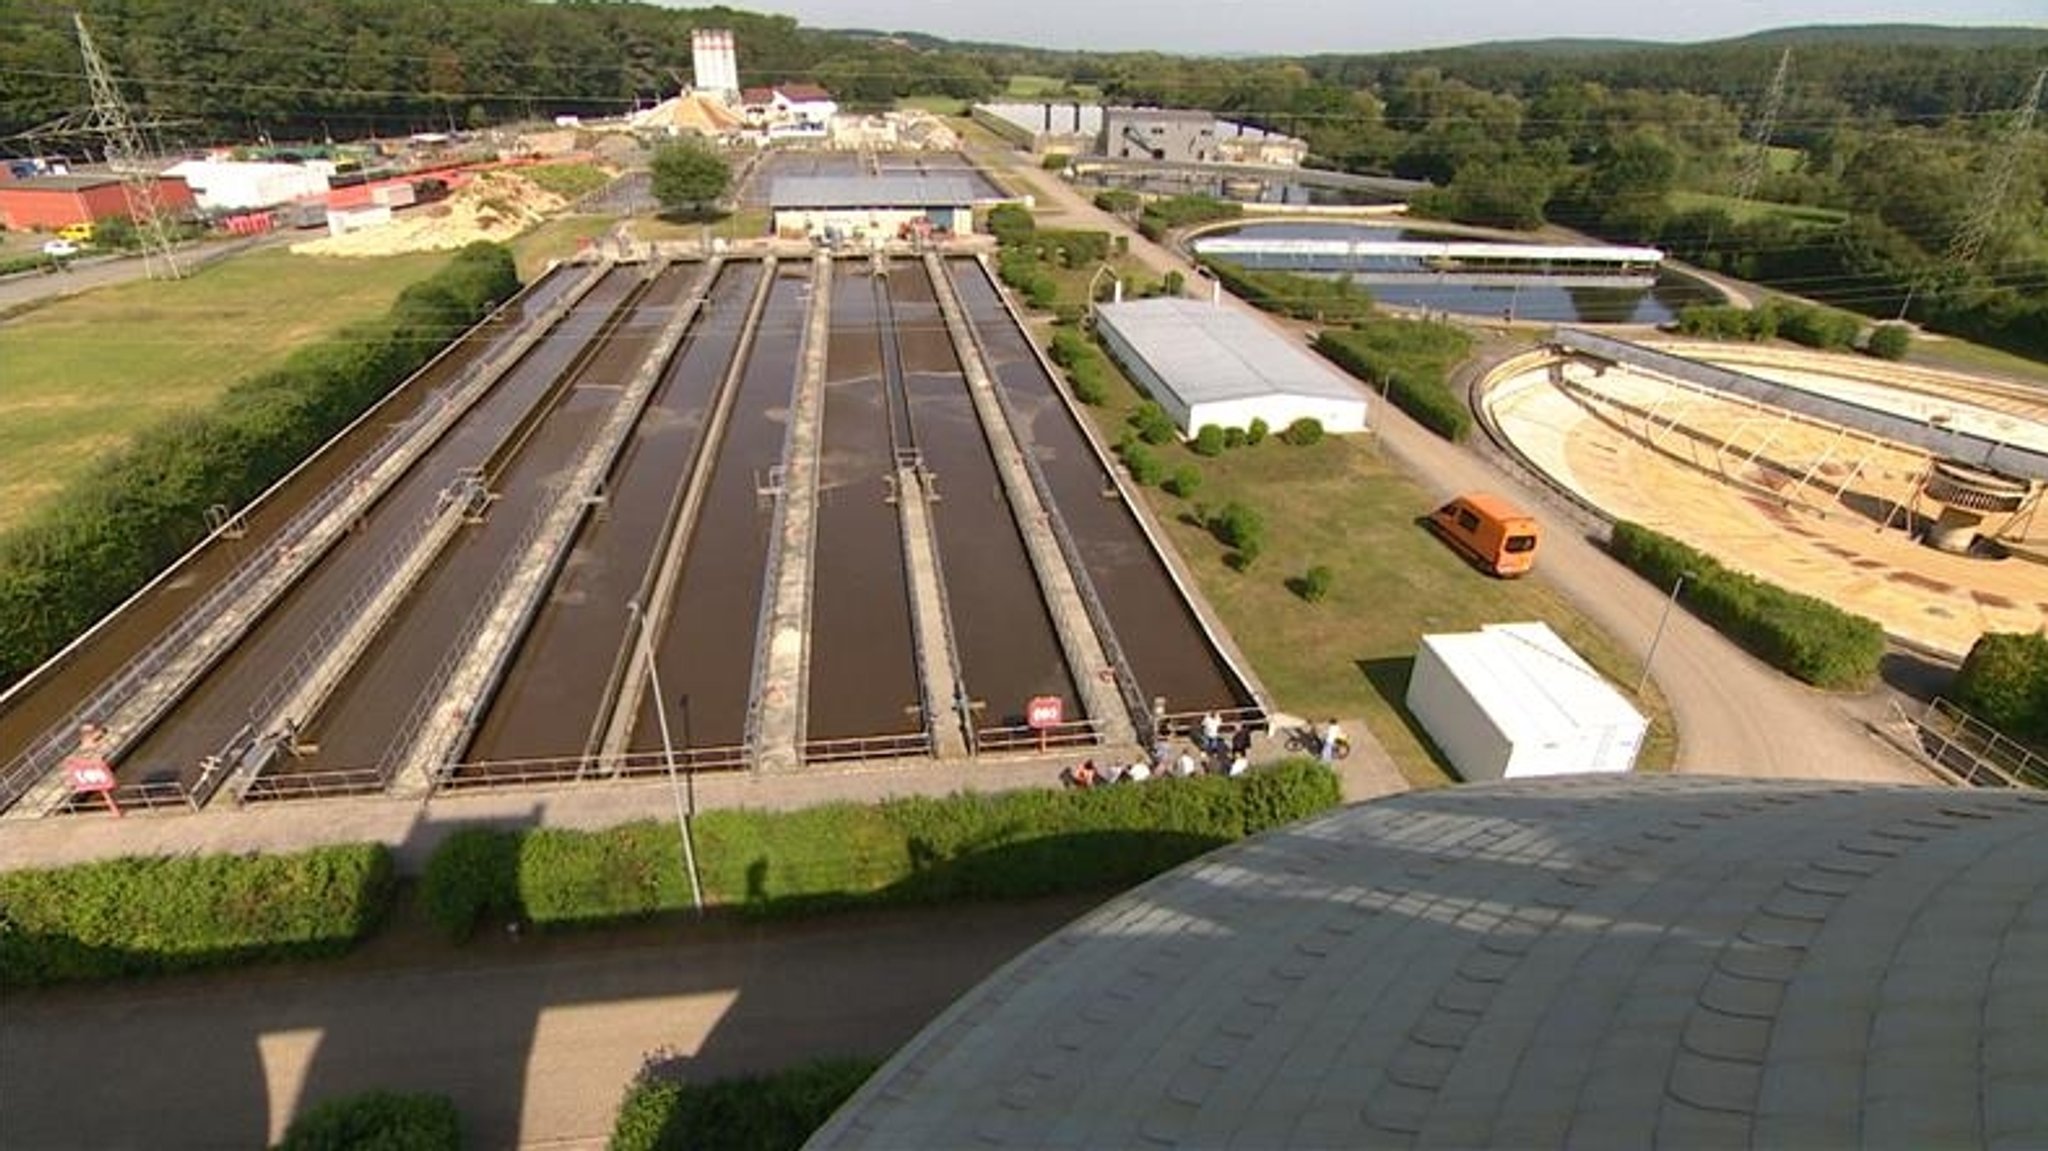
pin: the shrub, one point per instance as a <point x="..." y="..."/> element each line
<point x="1118" y="201"/>
<point x="1332" y="301"/>
<point x="1074" y="249"/>
<point x="921" y="850"/>
<point x="377" y="1121"/>
<point x="1068" y="348"/>
<point x="1235" y="524"/>
<point x="1412" y="361"/>
<point x="2004" y="682"/>
<point x="1185" y="481"/>
<point x="1055" y="161"/>
<point x="1890" y="341"/>
<point x="1814" y="326"/>
<point x="1303" y="432"/>
<point x="1090" y="382"/>
<point x="1162" y="216"/>
<point x="473" y="874"/>
<point x="1145" y="467"/>
<point x="1257" y="432"/>
<point x="1315" y="583"/>
<point x="1208" y="441"/>
<point x="1012" y="225"/>
<point x="1234" y="437"/>
<point x="1798" y="634"/>
<point x="1153" y="424"/>
<point x="151" y="914"/>
<point x="774" y="1112"/>
<point x="1717" y="322"/>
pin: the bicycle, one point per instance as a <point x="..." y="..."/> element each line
<point x="1306" y="740"/>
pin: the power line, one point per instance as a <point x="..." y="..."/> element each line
<point x="1969" y="239"/>
<point x="128" y="158"/>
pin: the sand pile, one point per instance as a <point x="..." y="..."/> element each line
<point x="493" y="206"/>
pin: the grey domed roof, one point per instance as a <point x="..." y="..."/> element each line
<point x="1599" y="961"/>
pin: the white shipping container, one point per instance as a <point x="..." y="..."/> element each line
<point x="340" y="222"/>
<point x="394" y="195"/>
<point x="1514" y="700"/>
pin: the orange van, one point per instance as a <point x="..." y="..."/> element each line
<point x="1491" y="532"/>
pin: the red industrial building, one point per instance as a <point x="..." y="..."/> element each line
<point x="51" y="202"/>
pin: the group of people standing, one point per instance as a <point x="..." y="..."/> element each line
<point x="1207" y="752"/>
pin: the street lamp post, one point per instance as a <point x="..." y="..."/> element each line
<point x="1093" y="280"/>
<point x="668" y="751"/>
<point x="1663" y="618"/>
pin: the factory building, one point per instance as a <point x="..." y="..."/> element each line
<point x="867" y="208"/>
<point x="50" y="202"/>
<point x="1165" y="135"/>
<point x="1209" y="364"/>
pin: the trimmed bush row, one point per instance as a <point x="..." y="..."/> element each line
<point x="146" y="504"/>
<point x="1412" y="362"/>
<point x="753" y="1113"/>
<point x="139" y="916"/>
<point x="1300" y="297"/>
<point x="1163" y="216"/>
<point x="917" y="850"/>
<point x="1797" y="634"/>
<point x="1808" y="324"/>
<point x="383" y="1120"/>
<point x="2004" y="682"/>
<point x="1086" y="367"/>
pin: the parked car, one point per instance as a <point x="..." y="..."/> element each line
<point x="59" y="249"/>
<point x="1489" y="531"/>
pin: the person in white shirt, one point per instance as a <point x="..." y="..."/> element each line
<point x="1238" y="765"/>
<point x="1138" y="772"/>
<point x="1185" y="767"/>
<point x="1333" y="738"/>
<point x="1212" y="732"/>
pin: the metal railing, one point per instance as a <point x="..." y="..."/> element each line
<point x="280" y="786"/>
<point x="1020" y="738"/>
<point x="588" y="769"/>
<point x="49" y="749"/>
<point x="153" y="795"/>
<point x="1972" y="752"/>
<point x="909" y="745"/>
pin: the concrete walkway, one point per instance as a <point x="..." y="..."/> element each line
<point x="535" y="1040"/>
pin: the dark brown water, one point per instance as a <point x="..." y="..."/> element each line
<point x="706" y="650"/>
<point x="357" y="726"/>
<point x="220" y="704"/>
<point x="1008" y="648"/>
<point x="863" y="677"/>
<point x="1157" y="629"/>
<point x="551" y="698"/>
<point x="103" y="656"/>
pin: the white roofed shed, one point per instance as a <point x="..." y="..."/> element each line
<point x="1210" y="364"/>
<point x="1513" y="700"/>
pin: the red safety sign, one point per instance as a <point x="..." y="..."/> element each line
<point x="1045" y="711"/>
<point x="89" y="773"/>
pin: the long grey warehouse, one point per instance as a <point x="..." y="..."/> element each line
<point x="1209" y="364"/>
<point x="861" y="207"/>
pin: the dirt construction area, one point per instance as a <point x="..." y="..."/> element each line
<point x="493" y="206"/>
<point x="1806" y="505"/>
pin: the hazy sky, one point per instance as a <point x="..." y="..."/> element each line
<point x="1306" y="26"/>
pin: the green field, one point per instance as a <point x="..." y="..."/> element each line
<point x="79" y="376"/>
<point x="1340" y="504"/>
<point x="1025" y="86"/>
<point x="1742" y="211"/>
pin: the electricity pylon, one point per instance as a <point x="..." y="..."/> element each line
<point x="1758" y="161"/>
<point x="127" y="158"/>
<point x="1968" y="242"/>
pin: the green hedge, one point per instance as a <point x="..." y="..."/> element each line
<point x="144" y="915"/>
<point x="918" y="850"/>
<point x="138" y="510"/>
<point x="1163" y="215"/>
<point x="1797" y="634"/>
<point x="2004" y="682"/>
<point x="755" y="1113"/>
<point x="1412" y="361"/>
<point x="1324" y="301"/>
<point x="377" y="1121"/>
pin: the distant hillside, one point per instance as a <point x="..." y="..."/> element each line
<point x="1898" y="35"/>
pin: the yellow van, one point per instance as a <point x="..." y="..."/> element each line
<point x="1489" y="531"/>
<point x="76" y="233"/>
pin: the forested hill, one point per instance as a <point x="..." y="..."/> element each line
<point x="1904" y="72"/>
<point x="232" y="68"/>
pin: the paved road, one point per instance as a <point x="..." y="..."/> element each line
<point x="1735" y="716"/>
<point x="535" y="1040"/>
<point x="28" y="288"/>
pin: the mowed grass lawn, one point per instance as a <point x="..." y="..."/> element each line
<point x="80" y="377"/>
<point x="1341" y="504"/>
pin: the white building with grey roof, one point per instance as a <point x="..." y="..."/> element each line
<point x="869" y="207"/>
<point x="1210" y="364"/>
